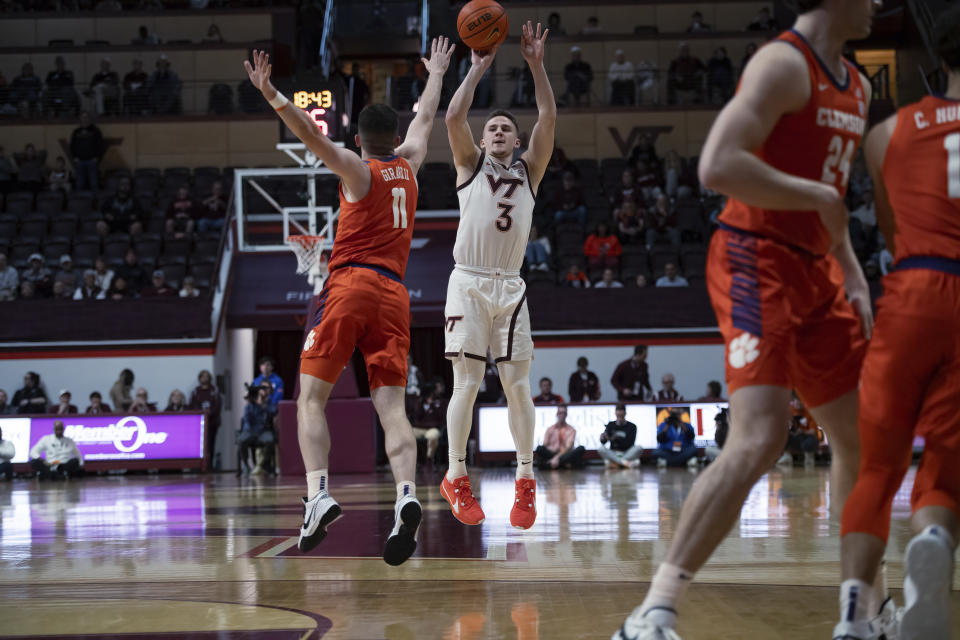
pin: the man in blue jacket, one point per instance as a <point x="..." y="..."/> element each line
<point x="676" y="442"/>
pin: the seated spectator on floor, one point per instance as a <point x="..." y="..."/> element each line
<point x="63" y="406"/>
<point x="671" y="277"/>
<point x="86" y="148"/>
<point x="104" y="275"/>
<point x="579" y="76"/>
<point x="119" y="290"/>
<point x="559" y="448"/>
<point x="9" y="279"/>
<point x="608" y="281"/>
<point x="629" y="222"/>
<point x="27" y="290"/>
<point x="141" y="403"/>
<point x="181" y="214"/>
<point x="662" y="223"/>
<point x="56" y="456"/>
<point x="189" y="289"/>
<point x="7" y="453"/>
<point x="697" y="25"/>
<point x="105" y="89"/>
<point x="538" y="251"/>
<point x="592" y="27"/>
<point x="158" y="287"/>
<point x="721" y="77"/>
<point x="668" y="393"/>
<point x="67" y="275"/>
<point x="721" y="423"/>
<point x="631" y="378"/>
<point x="212" y="212"/>
<point x="584" y="386"/>
<point x="569" y="205"/>
<point x="25" y="91"/>
<point x="132" y="272"/>
<point x="685" y="78"/>
<point x="803" y="436"/>
<point x="31" y="398"/>
<point x="621" y="436"/>
<point x="6" y="408"/>
<point x="626" y="190"/>
<point x="714" y="393"/>
<point x="89" y="289"/>
<point x="676" y="442"/>
<point x="576" y="278"/>
<point x="60" y="176"/>
<point x="163" y="89"/>
<point x="267" y="366"/>
<point x="120" y="392"/>
<point x="61" y="291"/>
<point x="60" y="97"/>
<point x="122" y="212"/>
<point x="623" y="86"/>
<point x="31" y="168"/>
<point x="135" y="94"/>
<point x="547" y="396"/>
<point x="38" y="275"/>
<point x="430" y="417"/>
<point x="640" y="282"/>
<point x="257" y="426"/>
<point x="763" y="21"/>
<point x="177" y="401"/>
<point x="602" y="249"/>
<point x="97" y="406"/>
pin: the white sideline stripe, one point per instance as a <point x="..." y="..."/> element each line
<point x="497" y="552"/>
<point x="280" y="548"/>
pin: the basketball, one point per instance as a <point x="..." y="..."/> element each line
<point x="482" y="25"/>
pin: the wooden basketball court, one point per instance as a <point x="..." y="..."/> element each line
<point x="215" y="557"/>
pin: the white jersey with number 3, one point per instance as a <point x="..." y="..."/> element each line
<point x="496" y="211"/>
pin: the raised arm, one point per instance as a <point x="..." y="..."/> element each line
<point x="343" y="162"/>
<point x="414" y="147"/>
<point x="465" y="150"/>
<point x="537" y="155"/>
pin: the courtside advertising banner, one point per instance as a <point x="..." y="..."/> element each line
<point x="17" y="431"/>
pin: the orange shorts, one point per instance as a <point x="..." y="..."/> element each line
<point x="911" y="378"/>
<point x="366" y="308"/>
<point x="784" y="317"/>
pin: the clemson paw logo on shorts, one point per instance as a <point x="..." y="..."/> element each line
<point x="311" y="338"/>
<point x="743" y="350"/>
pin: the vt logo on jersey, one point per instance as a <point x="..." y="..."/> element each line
<point x="496" y="183"/>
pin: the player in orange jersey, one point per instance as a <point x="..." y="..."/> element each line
<point x="363" y="302"/>
<point x="782" y="150"/>
<point x="911" y="376"/>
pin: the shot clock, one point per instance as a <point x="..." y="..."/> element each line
<point x="323" y="102"/>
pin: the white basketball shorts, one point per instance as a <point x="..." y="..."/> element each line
<point x="487" y="308"/>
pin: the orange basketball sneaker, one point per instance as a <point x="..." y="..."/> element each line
<point x="464" y="506"/>
<point x="524" y="511"/>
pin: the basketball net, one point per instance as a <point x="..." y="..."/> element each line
<point x="310" y="259"/>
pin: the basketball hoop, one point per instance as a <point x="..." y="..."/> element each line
<point x="309" y="252"/>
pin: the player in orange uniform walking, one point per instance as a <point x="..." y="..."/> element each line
<point x="782" y="150"/>
<point x="363" y="302"/>
<point x="911" y="376"/>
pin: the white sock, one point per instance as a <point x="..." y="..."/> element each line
<point x="524" y="465"/>
<point x="854" y="596"/>
<point x="458" y="464"/>
<point x="316" y="483"/>
<point x="877" y="594"/>
<point x="667" y="588"/>
<point x="467" y="376"/>
<point x="406" y="488"/>
<point x="942" y="533"/>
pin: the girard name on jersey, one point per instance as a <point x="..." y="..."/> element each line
<point x="842" y="120"/>
<point x="395" y="173"/>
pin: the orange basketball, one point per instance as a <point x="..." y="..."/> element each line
<point x="482" y="25"/>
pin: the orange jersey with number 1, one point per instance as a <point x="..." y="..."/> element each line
<point x="377" y="229"/>
<point x="818" y="143"/>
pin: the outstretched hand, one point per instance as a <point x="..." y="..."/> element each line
<point x="483" y="59"/>
<point x="440" y="52"/>
<point x="259" y="73"/>
<point x="532" y="43"/>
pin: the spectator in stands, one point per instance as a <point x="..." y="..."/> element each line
<point x="621" y="436"/>
<point x="27" y="290"/>
<point x="135" y="94"/>
<point x="89" y="289"/>
<point x="697" y="25"/>
<point x="608" y="281"/>
<point x="31" y="398"/>
<point x="553" y="23"/>
<point x="122" y="212"/>
<point x="257" y="425"/>
<point x="9" y="280"/>
<point x="720" y="77"/>
<point x="144" y="37"/>
<point x="212" y="212"/>
<point x="648" y="180"/>
<point x="86" y="147"/>
<point x="60" y="97"/>
<point x="576" y="278"/>
<point x="668" y="393"/>
<point x="63" y="406"/>
<point x="59" y="178"/>
<point x="105" y="89"/>
<point x="631" y="379"/>
<point x="602" y="249"/>
<point x="672" y="172"/>
<point x="104" y="275"/>
<point x="61" y="291"/>
<point x="267" y="365"/>
<point x="7" y="453"/>
<point x="569" y="205"/>
<point x="662" y="223"/>
<point x="629" y="223"/>
<point x="55" y="456"/>
<point x="671" y="277"/>
<point x="97" y="406"/>
<point x="159" y="288"/>
<point x="8" y="172"/>
<point x="67" y="275"/>
<point x="189" y="289"/>
<point x="640" y="282"/>
<point x="763" y="21"/>
<point x="579" y="76"/>
<point x="119" y="290"/>
<point x="141" y="403"/>
<point x="177" y="401"/>
<point x="626" y="190"/>
<point x="685" y="78"/>
<point x="7" y="108"/>
<point x="538" y="251"/>
<point x="6" y="409"/>
<point x="108" y="6"/>
<point x="213" y="35"/>
<point x="584" y="386"/>
<point x="25" y="91"/>
<point x="38" y="275"/>
<point x="623" y="86"/>
<point x="430" y="418"/>
<point x="31" y="168"/>
<point x="163" y="89"/>
<point x="181" y="214"/>
<point x="206" y="398"/>
<point x="407" y="88"/>
<point x="714" y="393"/>
<point x="559" y="445"/>
<point x="645" y="150"/>
<point x="120" y="391"/>
<point x="547" y="396"/>
<point x="132" y="272"/>
<point x="676" y="439"/>
<point x="748" y="53"/>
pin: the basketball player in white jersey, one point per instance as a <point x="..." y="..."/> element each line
<point x="486" y="298"/>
